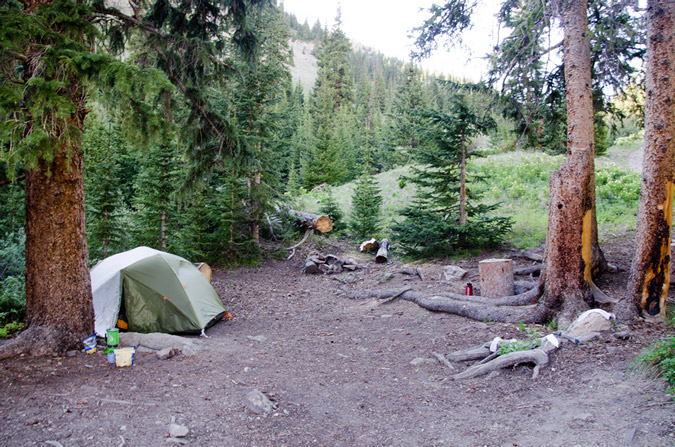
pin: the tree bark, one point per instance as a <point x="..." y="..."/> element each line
<point x="650" y="271"/>
<point x="382" y="252"/>
<point x="566" y="273"/>
<point x="58" y="288"/>
<point x="311" y="221"/>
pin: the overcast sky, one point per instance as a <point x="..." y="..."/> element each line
<point x="385" y="25"/>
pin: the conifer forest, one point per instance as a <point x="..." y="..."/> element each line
<point x="332" y="231"/>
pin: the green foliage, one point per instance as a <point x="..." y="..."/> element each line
<point x="520" y="345"/>
<point x="7" y="329"/>
<point x="443" y="217"/>
<point x="13" y="296"/>
<point x="330" y="207"/>
<point x="366" y="206"/>
<point x="107" y="215"/>
<point x="661" y="357"/>
<point x="429" y="234"/>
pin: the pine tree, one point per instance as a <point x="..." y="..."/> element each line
<point x="333" y="91"/>
<point x="330" y="207"/>
<point x="105" y="209"/>
<point x="155" y="215"/>
<point x="366" y="206"/>
<point x="442" y="218"/>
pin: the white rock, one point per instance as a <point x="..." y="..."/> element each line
<point x="178" y="431"/>
<point x="453" y="273"/>
<point x="258" y="402"/>
<point x="258" y="338"/>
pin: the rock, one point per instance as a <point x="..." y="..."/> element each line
<point x="178" y="431"/>
<point x="71" y="353"/>
<point x="594" y="320"/>
<point x="453" y="272"/>
<point x="612" y="349"/>
<point x="167" y="353"/>
<point x="258" y="403"/>
<point x="623" y="335"/>
<point x="258" y="338"/>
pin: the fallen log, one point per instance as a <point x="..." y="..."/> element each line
<point x="369" y="246"/>
<point x="382" y="253"/>
<point x="317" y="222"/>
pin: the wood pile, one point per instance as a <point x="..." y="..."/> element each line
<point x="319" y="263"/>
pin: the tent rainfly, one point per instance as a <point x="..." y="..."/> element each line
<point x="158" y="291"/>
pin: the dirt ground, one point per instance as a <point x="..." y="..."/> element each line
<point x="340" y="374"/>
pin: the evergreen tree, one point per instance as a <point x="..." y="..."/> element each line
<point x="333" y="91"/>
<point x="330" y="207"/>
<point x="442" y="218"/>
<point x="366" y="206"/>
<point x="106" y="212"/>
<point x="155" y="216"/>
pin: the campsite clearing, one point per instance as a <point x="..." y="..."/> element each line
<point x="342" y="373"/>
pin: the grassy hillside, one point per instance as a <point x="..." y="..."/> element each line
<point x="519" y="181"/>
<point x="304" y="67"/>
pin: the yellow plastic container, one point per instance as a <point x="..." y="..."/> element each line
<point x="124" y="356"/>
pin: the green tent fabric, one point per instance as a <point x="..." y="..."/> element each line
<point x="160" y="292"/>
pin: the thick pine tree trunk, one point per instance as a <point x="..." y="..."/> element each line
<point x="566" y="274"/>
<point x="59" y="310"/>
<point x="650" y="272"/>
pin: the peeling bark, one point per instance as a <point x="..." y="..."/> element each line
<point x="650" y="271"/>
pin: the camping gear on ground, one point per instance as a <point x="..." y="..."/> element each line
<point x="110" y="356"/>
<point x="112" y="337"/>
<point x="90" y="344"/>
<point x="152" y="291"/>
<point x="124" y="356"/>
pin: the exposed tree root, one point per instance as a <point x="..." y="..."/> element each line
<point x="510" y="309"/>
<point x="528" y="270"/>
<point x="35" y="341"/>
<point x="493" y="361"/>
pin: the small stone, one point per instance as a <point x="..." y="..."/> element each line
<point x="453" y="272"/>
<point x="612" y="349"/>
<point x="623" y="335"/>
<point x="167" y="353"/>
<point x="178" y="431"/>
<point x="258" y="403"/>
<point x="583" y="416"/>
<point x="258" y="338"/>
<point x="71" y="353"/>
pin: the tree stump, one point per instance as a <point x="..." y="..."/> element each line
<point x="496" y="278"/>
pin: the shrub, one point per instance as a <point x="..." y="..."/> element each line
<point x="661" y="357"/>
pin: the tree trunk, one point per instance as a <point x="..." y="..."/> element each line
<point x="650" y="271"/>
<point x="462" y="185"/>
<point x="58" y="288"/>
<point x="566" y="273"/>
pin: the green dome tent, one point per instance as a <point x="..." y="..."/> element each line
<point x="158" y="292"/>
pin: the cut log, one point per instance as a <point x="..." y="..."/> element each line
<point x="369" y="246"/>
<point x="205" y="269"/>
<point x="316" y="222"/>
<point x="496" y="278"/>
<point x="382" y="253"/>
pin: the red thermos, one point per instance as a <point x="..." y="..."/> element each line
<point x="469" y="289"/>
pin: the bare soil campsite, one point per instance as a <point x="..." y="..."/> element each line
<point x="342" y="372"/>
